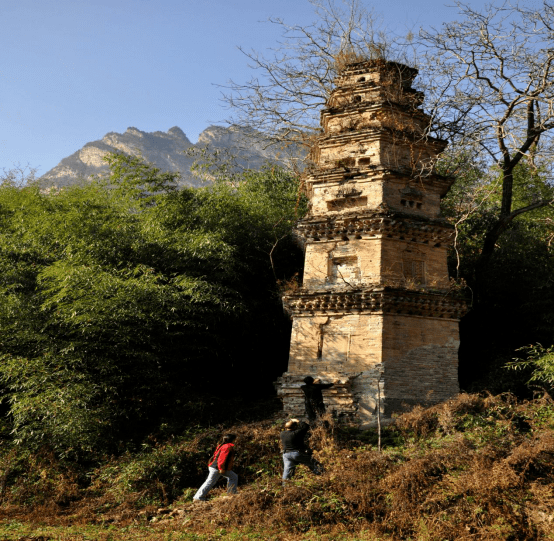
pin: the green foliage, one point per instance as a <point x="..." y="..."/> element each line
<point x="512" y="297"/>
<point x="156" y="475"/>
<point x="120" y="295"/>
<point x="541" y="362"/>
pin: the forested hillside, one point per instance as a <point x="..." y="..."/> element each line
<point x="126" y="305"/>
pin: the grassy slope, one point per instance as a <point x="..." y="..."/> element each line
<point x="473" y="468"/>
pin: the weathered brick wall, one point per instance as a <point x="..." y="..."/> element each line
<point x="388" y="149"/>
<point x="397" y="255"/>
<point x="323" y="196"/>
<point x="420" y="359"/>
<point x="414" y="199"/>
<point x="328" y="264"/>
<point x="304" y="344"/>
<point x="333" y="344"/>
<point x="372" y="193"/>
<point x="375" y="117"/>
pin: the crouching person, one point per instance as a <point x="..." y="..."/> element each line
<point x="220" y="465"/>
<point x="295" y="450"/>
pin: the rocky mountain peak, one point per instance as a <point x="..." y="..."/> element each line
<point x="177" y="132"/>
<point x="164" y="149"/>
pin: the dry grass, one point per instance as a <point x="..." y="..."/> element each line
<point x="472" y="468"/>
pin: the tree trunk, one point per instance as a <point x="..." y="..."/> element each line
<point x="507" y="191"/>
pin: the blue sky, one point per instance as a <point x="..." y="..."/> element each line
<point x="73" y="70"/>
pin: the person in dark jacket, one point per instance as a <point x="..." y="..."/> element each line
<point x="295" y="450"/>
<point x="220" y="465"/>
<point x="313" y="398"/>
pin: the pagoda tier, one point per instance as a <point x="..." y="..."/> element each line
<point x="374" y="313"/>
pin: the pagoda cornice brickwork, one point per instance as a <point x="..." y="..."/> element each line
<point x="371" y="114"/>
<point x="387" y="134"/>
<point x="371" y="224"/>
<point x="372" y="173"/>
<point x="371" y="92"/>
<point x="375" y="103"/>
<point x="376" y="300"/>
<point x="380" y="67"/>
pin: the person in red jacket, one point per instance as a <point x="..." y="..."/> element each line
<point x="220" y="465"/>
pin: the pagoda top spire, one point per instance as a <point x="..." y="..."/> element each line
<point x="376" y="71"/>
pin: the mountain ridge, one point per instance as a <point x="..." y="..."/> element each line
<point x="166" y="150"/>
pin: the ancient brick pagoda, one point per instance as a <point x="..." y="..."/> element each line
<point x="374" y="311"/>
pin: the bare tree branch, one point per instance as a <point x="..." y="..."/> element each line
<point x="489" y="85"/>
<point x="294" y="81"/>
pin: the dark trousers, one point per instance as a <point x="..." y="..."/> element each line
<point x="291" y="459"/>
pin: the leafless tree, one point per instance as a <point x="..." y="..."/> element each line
<point x="489" y="85"/>
<point x="18" y="176"/>
<point x="292" y="83"/>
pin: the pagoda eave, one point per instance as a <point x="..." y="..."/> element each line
<point x="392" y="225"/>
<point x="371" y="106"/>
<point x="379" y="299"/>
<point x="357" y="68"/>
<point x="439" y="183"/>
<point x="370" y="134"/>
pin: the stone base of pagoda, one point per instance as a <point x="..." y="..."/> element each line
<point x="391" y="347"/>
<point x="339" y="400"/>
